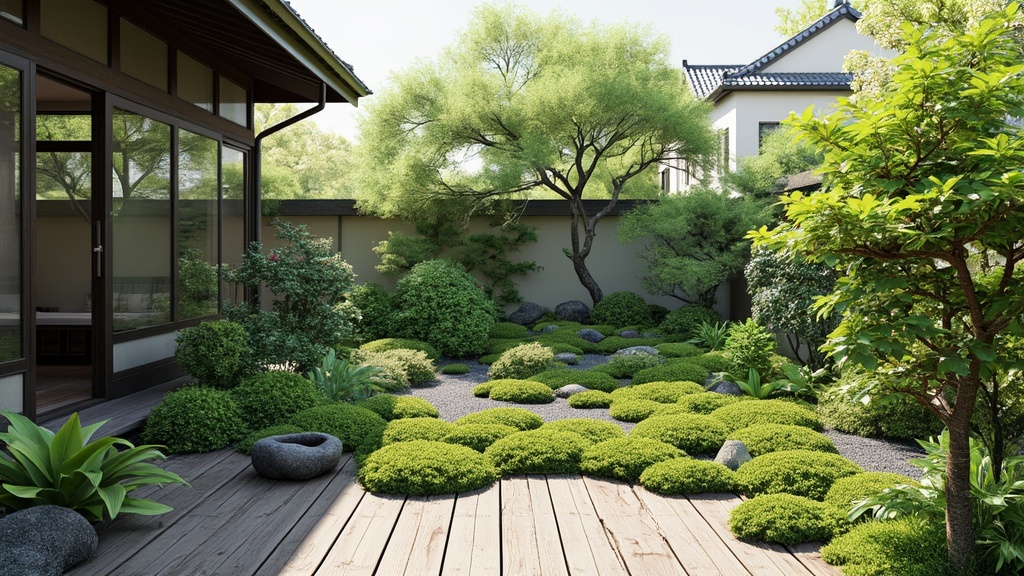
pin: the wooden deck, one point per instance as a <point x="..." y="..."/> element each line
<point x="234" y="522"/>
<point x="123" y="415"/>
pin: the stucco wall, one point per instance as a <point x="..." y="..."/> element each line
<point x="826" y="51"/>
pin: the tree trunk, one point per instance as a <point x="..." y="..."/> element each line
<point x="580" y="250"/>
<point x="579" y="264"/>
<point x="959" y="529"/>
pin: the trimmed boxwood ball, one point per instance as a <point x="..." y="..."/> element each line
<point x="673" y="370"/>
<point x="507" y="330"/>
<point x="272" y="397"/>
<point x="245" y="444"/>
<point x="906" y="546"/>
<point x="590" y="399"/>
<point x="692" y="433"/>
<point x="632" y="409"/>
<point x="520" y="391"/>
<point x="688" y="476"/>
<point x="357" y="428"/>
<point x="587" y="378"/>
<point x="455" y="369"/>
<point x="784" y="519"/>
<point x="408" y="429"/>
<point x="626" y="458"/>
<point x="483" y="390"/>
<point x="764" y="438"/>
<point x="518" y="418"/>
<point x="195" y="419"/>
<point x="478" y="436"/>
<point x="707" y="402"/>
<point x="593" y="430"/>
<point x="215" y="352"/>
<point x="522" y="361"/>
<point x="621" y="309"/>
<point x="678" y="350"/>
<point x="663" y="392"/>
<point x="802" y="472"/>
<point x="845" y="491"/>
<point x="391" y="407"/>
<point x="385" y="344"/>
<point x="743" y="414"/>
<point x="538" y="452"/>
<point x="424" y="468"/>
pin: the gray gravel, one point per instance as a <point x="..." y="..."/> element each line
<point x="453" y="397"/>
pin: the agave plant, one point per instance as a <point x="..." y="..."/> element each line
<point x="753" y="386"/>
<point x="66" y="469"/>
<point x="341" y="380"/>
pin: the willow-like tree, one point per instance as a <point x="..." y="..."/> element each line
<point x="522" y="104"/>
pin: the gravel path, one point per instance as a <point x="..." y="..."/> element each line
<point x="453" y="397"/>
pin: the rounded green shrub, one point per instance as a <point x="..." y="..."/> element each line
<point x="507" y="331"/>
<point x="374" y="304"/>
<point x="416" y="367"/>
<point x="707" y="402"/>
<point x="663" y="392"/>
<point x="802" y="472"/>
<point x="590" y="399"/>
<point x="483" y="389"/>
<point x="478" y="436"/>
<point x="587" y="378"/>
<point x="357" y="428"/>
<point x="614" y="343"/>
<point x="538" y="452"/>
<point x="455" y="369"/>
<point x="626" y="458"/>
<point x="693" y="433"/>
<point x="845" y="491"/>
<point x="272" y="397"/>
<point x="423" y="468"/>
<point x="621" y="309"/>
<point x="675" y="370"/>
<point x="685" y="321"/>
<point x="632" y="409"/>
<point x="408" y="429"/>
<point x="713" y="361"/>
<point x="625" y="365"/>
<point x="898" y="417"/>
<point x="521" y="361"/>
<point x="245" y="444"/>
<point x="518" y="418"/>
<point x="750" y="345"/>
<point x="391" y="407"/>
<point x="216" y="353"/>
<point x="907" y="546"/>
<point x="764" y="438"/>
<point x="195" y="419"/>
<point x="385" y="344"/>
<point x="437" y="301"/>
<point x="688" y="476"/>
<point x="569" y="341"/>
<point x="678" y="350"/>
<point x="520" y="391"/>
<point x="593" y="430"/>
<point x="743" y="414"/>
<point x="671" y="410"/>
<point x="488" y="359"/>
<point x="784" y="519"/>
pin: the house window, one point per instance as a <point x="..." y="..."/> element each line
<point x="10" y="219"/>
<point x="234" y="102"/>
<point x="763" y="130"/>
<point x="233" y="184"/>
<point x="723" y="160"/>
<point x="12" y="10"/>
<point x="198" y="236"/>
<point x="143" y="56"/>
<point x="195" y="82"/>
<point x="80" y="25"/>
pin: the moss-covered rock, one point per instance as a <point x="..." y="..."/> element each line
<point x="743" y="414"/>
<point x="538" y="452"/>
<point x="673" y="370"/>
<point x="801" y="472"/>
<point x="846" y="491"/>
<point x="626" y="458"/>
<point x="518" y="418"/>
<point x="391" y="407"/>
<point x="707" y="402"/>
<point x="593" y="430"/>
<point x="422" y="468"/>
<point x="663" y="392"/>
<point x="784" y="519"/>
<point x="586" y="378"/>
<point x="632" y="410"/>
<point x="693" y="433"/>
<point x="764" y="438"/>
<point x="688" y="476"/>
<point x="408" y="429"/>
<point x="478" y="436"/>
<point x="590" y="399"/>
<point x="520" y="391"/>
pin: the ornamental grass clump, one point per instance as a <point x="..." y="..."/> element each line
<point x="518" y="418"/>
<point x="673" y="370"/>
<point x="521" y="392"/>
<point x="846" y="492"/>
<point x="706" y="402"/>
<point x="522" y="361"/>
<point x="764" y="438"/>
<point x="632" y="409"/>
<point x="663" y="392"/>
<point x="408" y="429"/>
<point x="627" y="457"/>
<point x="593" y="430"/>
<point x="422" y="468"/>
<point x="391" y="407"/>
<point x="271" y="398"/>
<point x="478" y="436"/>
<point x="587" y="378"/>
<point x="743" y="414"/>
<point x="693" y="433"/>
<point x="688" y="476"/>
<point x="244" y="446"/>
<point x="538" y="452"/>
<point x="357" y="428"/>
<point x="906" y="546"/>
<point x="590" y="399"/>
<point x="195" y="419"/>
<point x="785" y="519"/>
<point x="801" y="472"/>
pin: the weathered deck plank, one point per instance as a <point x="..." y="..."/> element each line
<point x="360" y="545"/>
<point x="474" y="538"/>
<point x="589" y="553"/>
<point x="418" y="541"/>
<point x="530" y="541"/>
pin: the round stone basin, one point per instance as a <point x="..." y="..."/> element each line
<point x="296" y="456"/>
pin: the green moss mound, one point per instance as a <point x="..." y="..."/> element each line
<point x="195" y="419"/>
<point x="391" y="407"/>
<point x="707" y="402"/>
<point x="478" y="436"/>
<point x="245" y="444"/>
<point x="784" y="519"/>
<point x="621" y="309"/>
<point x="744" y="414"/>
<point x="357" y="428"/>
<point x="613" y="344"/>
<point x="385" y="344"/>
<point x="593" y="430"/>
<point x="408" y="429"/>
<point x="587" y="378"/>
<point x="562" y="325"/>
<point x="538" y="452"/>
<point x="520" y="391"/>
<point x="907" y="547"/>
<point x="764" y="438"/>
<point x="801" y="472"/>
<point x="566" y="337"/>
<point x="272" y="397"/>
<point x="626" y="458"/>
<point x="714" y="361"/>
<point x="507" y="331"/>
<point x="632" y="410"/>
<point x="688" y="476"/>
<point x="692" y="433"/>
<point x="678" y="350"/>
<point x="483" y="390"/>
<point x="663" y="392"/>
<point x="455" y="369"/>
<point x="423" y="468"/>
<point x="521" y="361"/>
<point x="590" y="399"/>
<point x="671" y="410"/>
<point x="625" y="365"/>
<point x="674" y="370"/>
<point x="846" y="491"/>
<point x="518" y="418"/>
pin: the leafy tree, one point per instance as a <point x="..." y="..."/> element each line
<point x="693" y="242"/>
<point x="781" y="155"/>
<point x="922" y="211"/>
<point x="792" y="22"/>
<point x="522" y="103"/>
<point x="303" y="161"/>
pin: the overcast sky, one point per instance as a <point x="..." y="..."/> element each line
<point x="378" y="37"/>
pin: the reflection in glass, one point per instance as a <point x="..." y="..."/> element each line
<point x="10" y="214"/>
<point x="233" y="218"/>
<point x="197" y="226"/>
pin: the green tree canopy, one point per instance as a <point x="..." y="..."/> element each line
<point x="782" y="154"/>
<point x="522" y="102"/>
<point x="303" y="161"/>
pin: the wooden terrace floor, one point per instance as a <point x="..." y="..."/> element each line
<point x="234" y="522"/>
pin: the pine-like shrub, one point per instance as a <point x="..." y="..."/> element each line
<point x="357" y="428"/>
<point x="846" y="491"/>
<point x="385" y="344"/>
<point x="907" y="546"/>
<point x="587" y="378"/>
<point x="685" y="321"/>
<point x="675" y="370"/>
<point x="632" y="410"/>
<point x="456" y="369"/>
<point x="593" y="430"/>
<point x="216" y="353"/>
<point x="802" y="472"/>
<point x="784" y="519"/>
<point x="518" y="418"/>
<point x="688" y="476"/>
<point x="507" y="330"/>
<point x="520" y="391"/>
<point x="409" y="429"/>
<point x="750" y="345"/>
<point x="522" y="361"/>
<point x="423" y="468"/>
<point x="478" y="436"/>
<point x="692" y="433"/>
<point x="417" y="367"/>
<point x="764" y="438"/>
<point x="900" y="417"/>
<point x="742" y="414"/>
<point x="625" y="365"/>
<point x="590" y="399"/>
<point x="678" y="350"/>
<point x="626" y="458"/>
<point x="271" y="398"/>
<point x="390" y="407"/>
<point x="374" y="304"/>
<point x="707" y="402"/>
<point x="195" y="419"/>
<point x="621" y="309"/>
<point x="663" y="392"/>
<point x="245" y="444"/>
<point x="538" y="452"/>
<point x="714" y="361"/>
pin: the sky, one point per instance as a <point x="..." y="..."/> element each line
<point x="379" y="37"/>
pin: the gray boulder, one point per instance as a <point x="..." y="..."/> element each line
<point x="296" y="456"/>
<point x="569" y="390"/>
<point x="528" y="314"/>
<point x="44" y="541"/>
<point x="636" y="350"/>
<point x="590" y="335"/>
<point x="732" y="454"/>
<point x="629" y="334"/>
<point x="549" y="329"/>
<point x="573" y="311"/>
<point x="568" y="358"/>
<point x="726" y="387"/>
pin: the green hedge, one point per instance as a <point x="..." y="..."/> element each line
<point x="272" y="397"/>
<point x="900" y="417"/>
<point x="743" y="414"/>
<point x="195" y="419"/>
